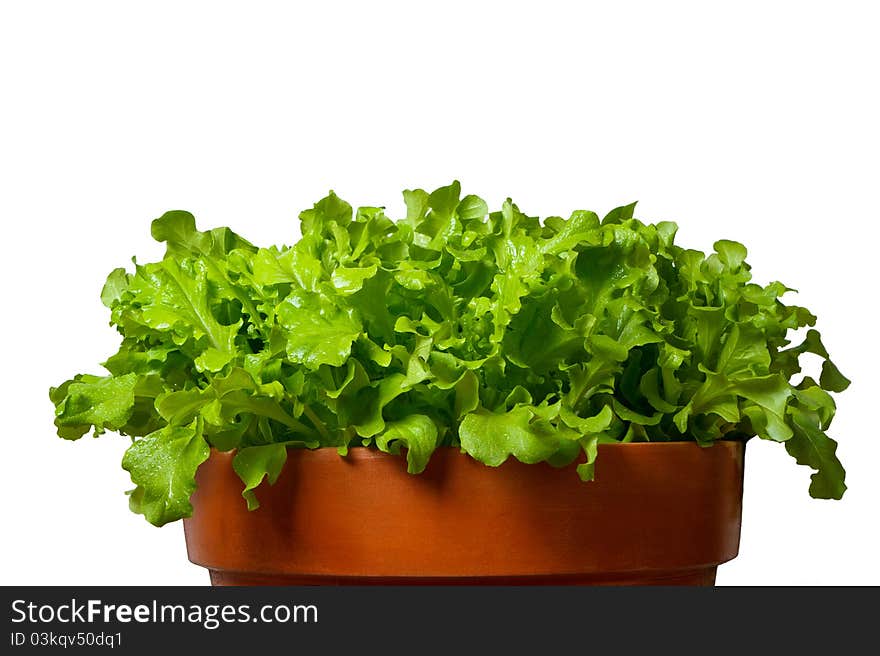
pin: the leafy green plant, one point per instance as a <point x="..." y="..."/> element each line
<point x="492" y="332"/>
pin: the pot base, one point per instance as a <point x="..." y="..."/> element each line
<point x="704" y="576"/>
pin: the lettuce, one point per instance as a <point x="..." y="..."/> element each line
<point x="492" y="332"/>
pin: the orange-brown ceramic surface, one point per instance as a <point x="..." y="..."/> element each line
<point x="656" y="513"/>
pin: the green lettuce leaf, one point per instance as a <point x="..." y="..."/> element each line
<point x="163" y="467"/>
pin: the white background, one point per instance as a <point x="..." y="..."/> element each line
<point x="758" y="123"/>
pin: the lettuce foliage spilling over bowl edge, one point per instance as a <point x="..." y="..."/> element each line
<point x="494" y="332"/>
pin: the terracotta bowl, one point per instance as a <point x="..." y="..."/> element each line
<point x="657" y="513"/>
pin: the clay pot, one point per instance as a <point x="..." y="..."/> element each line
<point x="657" y="513"/>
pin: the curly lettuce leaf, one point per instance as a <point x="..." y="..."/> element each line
<point x="163" y="467"/>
